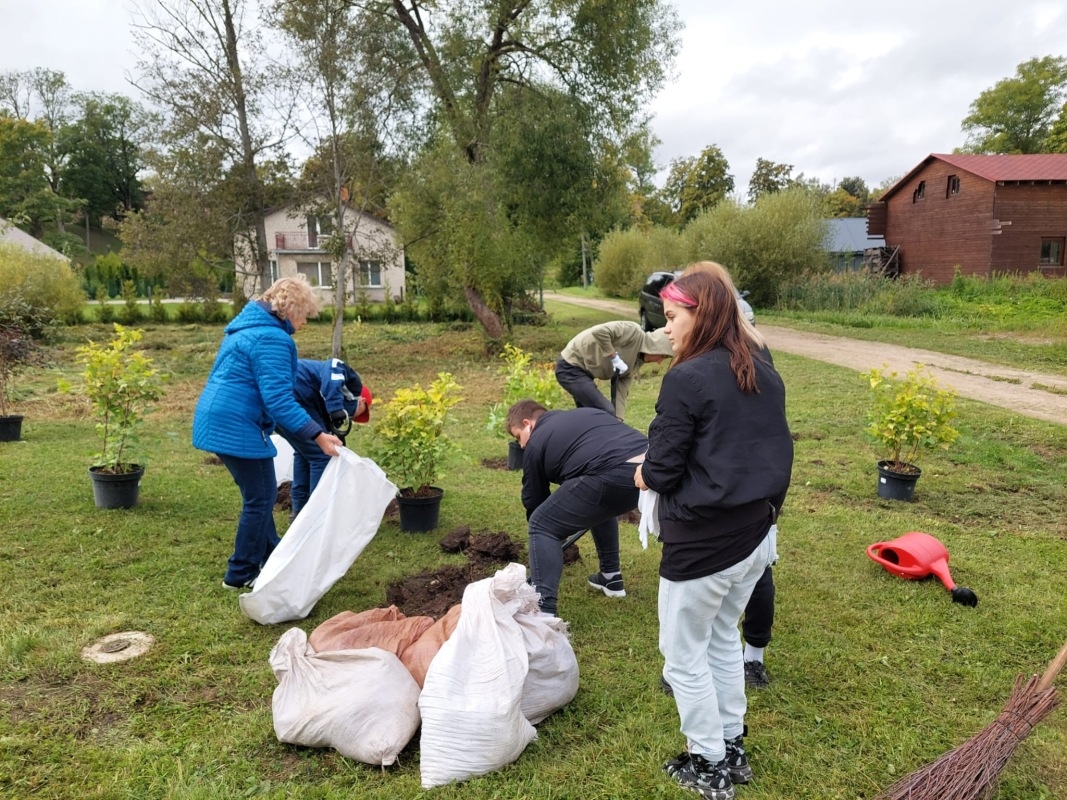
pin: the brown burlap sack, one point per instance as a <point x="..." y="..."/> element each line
<point x="417" y="656"/>
<point x="386" y="628"/>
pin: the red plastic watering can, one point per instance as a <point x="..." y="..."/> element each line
<point x="917" y="555"/>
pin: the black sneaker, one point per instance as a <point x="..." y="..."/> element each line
<point x="666" y="687"/>
<point x="737" y="761"/>
<point x="756" y="675"/>
<point x="612" y="587"/>
<point x="237" y="587"/>
<point x="693" y="771"/>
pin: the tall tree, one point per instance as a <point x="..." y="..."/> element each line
<point x="44" y="96"/>
<point x="207" y="69"/>
<point x="769" y="177"/>
<point x="1016" y="114"/>
<point x="104" y="146"/>
<point x="856" y="187"/>
<point x="353" y="93"/>
<point x="695" y="185"/>
<point x="25" y="196"/>
<point x="610" y="57"/>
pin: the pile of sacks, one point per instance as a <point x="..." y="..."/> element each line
<point x="484" y="674"/>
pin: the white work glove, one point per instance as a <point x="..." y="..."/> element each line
<point x="619" y="364"/>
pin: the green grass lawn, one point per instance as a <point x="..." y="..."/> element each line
<point x="872" y="676"/>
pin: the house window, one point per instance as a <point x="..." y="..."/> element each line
<point x="318" y="228"/>
<point x="370" y="273"/>
<point x="1052" y="252"/>
<point x="318" y="273"/>
<point x="953" y="186"/>
<point x="919" y="193"/>
<point x="272" y="267"/>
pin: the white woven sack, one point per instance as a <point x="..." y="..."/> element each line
<point x="283" y="462"/>
<point x="340" y="518"/>
<point x="471" y="701"/>
<point x="552" y="680"/>
<point x="362" y="703"/>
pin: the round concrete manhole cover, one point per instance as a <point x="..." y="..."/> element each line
<point x="118" y="647"/>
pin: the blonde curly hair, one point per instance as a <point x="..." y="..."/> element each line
<point x="293" y="297"/>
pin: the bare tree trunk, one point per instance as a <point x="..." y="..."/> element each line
<point x="494" y="328"/>
<point x="248" y="150"/>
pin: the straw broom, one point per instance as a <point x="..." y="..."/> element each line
<point x="970" y="772"/>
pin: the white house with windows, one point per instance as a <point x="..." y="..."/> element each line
<point x="297" y="243"/>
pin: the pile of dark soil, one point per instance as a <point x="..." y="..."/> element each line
<point x="432" y="593"/>
<point x="283" y="502"/>
<point x="495" y="463"/>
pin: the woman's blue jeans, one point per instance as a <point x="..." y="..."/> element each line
<point x="256" y="535"/>
<point x="309" y="462"/>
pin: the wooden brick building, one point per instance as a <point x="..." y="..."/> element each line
<point x="982" y="213"/>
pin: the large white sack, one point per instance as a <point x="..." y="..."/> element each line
<point x="283" y="462"/>
<point x="362" y="703"/>
<point x="340" y="518"/>
<point x="472" y="721"/>
<point x="552" y="679"/>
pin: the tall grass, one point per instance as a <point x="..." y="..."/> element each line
<point x="1002" y="302"/>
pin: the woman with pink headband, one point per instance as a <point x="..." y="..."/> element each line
<point x="720" y="456"/>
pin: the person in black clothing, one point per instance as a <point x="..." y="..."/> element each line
<point x="591" y="455"/>
<point x="720" y="457"/>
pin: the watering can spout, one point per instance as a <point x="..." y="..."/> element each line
<point x="917" y="555"/>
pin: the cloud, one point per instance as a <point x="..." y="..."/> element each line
<point x="840" y="89"/>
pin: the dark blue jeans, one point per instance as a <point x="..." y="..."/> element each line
<point x="256" y="534"/>
<point x="309" y="462"/>
<point x="592" y="502"/>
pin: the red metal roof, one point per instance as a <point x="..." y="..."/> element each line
<point x="1041" y="167"/>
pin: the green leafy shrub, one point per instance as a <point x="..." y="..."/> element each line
<point x="626" y="257"/>
<point x="764" y="245"/>
<point x="46" y="284"/>
<point x="120" y="383"/>
<point x="409" y="439"/>
<point x="907" y="414"/>
<point x="130" y="314"/>
<point x="18" y="348"/>
<point x="523" y="380"/>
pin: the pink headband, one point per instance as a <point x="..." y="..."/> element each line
<point x="676" y="295"/>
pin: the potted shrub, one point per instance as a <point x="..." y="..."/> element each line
<point x="522" y="380"/>
<point x="18" y="350"/>
<point x="908" y="414"/>
<point x="120" y="383"/>
<point x="410" y="444"/>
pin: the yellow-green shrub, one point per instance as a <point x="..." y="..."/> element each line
<point x="48" y="285"/>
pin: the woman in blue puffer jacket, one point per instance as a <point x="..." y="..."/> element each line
<point x="248" y="393"/>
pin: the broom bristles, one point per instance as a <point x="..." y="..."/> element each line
<point x="969" y="771"/>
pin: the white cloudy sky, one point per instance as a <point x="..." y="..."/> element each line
<point x="834" y="88"/>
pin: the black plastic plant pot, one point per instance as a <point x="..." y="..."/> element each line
<point x="419" y="514"/>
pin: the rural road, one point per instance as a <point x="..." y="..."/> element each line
<point x="1008" y="388"/>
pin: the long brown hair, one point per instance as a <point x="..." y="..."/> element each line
<point x="707" y="290"/>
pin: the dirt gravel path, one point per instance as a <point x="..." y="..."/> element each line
<point x="1014" y="389"/>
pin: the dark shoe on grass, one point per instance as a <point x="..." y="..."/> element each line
<point x="693" y="771"/>
<point x="237" y="586"/>
<point x="737" y="760"/>
<point x="756" y="675"/>
<point x="612" y="587"/>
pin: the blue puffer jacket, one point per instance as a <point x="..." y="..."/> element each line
<point x="250" y="389"/>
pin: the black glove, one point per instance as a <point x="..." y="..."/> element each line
<point x="339" y="419"/>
